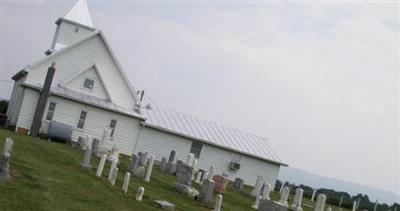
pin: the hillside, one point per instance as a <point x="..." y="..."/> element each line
<point x="303" y="177"/>
<point x="47" y="176"/>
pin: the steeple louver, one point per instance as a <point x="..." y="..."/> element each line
<point x="80" y="13"/>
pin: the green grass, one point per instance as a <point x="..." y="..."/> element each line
<point x="47" y="176"/>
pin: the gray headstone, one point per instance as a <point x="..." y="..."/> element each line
<point x="170" y="168"/>
<point x="134" y="163"/>
<point x="5" y="167"/>
<point x="86" y="160"/>
<point x="183" y="176"/>
<point x="268" y="205"/>
<point x="172" y="156"/>
<point x="142" y="159"/>
<point x="163" y="164"/>
<point x="139" y="171"/>
<point x="165" y="205"/>
<point x="95" y="145"/>
<point x="238" y="184"/>
<point x="206" y="191"/>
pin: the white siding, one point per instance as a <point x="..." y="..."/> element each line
<point x="92" y="51"/>
<point x="98" y="89"/>
<point x="68" y="111"/>
<point x="17" y="96"/>
<point x="160" y="144"/>
<point x="66" y="34"/>
<point x="28" y="108"/>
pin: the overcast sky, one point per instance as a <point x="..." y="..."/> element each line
<point x="320" y="81"/>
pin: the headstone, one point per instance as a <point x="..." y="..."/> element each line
<point x="220" y="183"/>
<point x="88" y="142"/>
<point x="211" y="172"/>
<point x="171" y="166"/>
<point x="134" y="163"/>
<point x="257" y="202"/>
<point x="198" y="177"/>
<point x="204" y="177"/>
<point x="329" y="209"/>
<point x="266" y="191"/>
<point x="139" y="194"/>
<point x="238" y="184"/>
<point x="354" y="206"/>
<point x="165" y="205"/>
<point x="112" y="169"/>
<point x="284" y="197"/>
<point x="194" y="165"/>
<point x="298" y="197"/>
<point x="313" y="194"/>
<point x="172" y="156"/>
<point x="376" y="205"/>
<point x="206" y="191"/>
<point x="257" y="187"/>
<point x="126" y="182"/>
<point x="142" y="159"/>
<point x="183" y="177"/>
<point x="104" y="142"/>
<point x="101" y="165"/>
<point x="218" y="203"/>
<point x="8" y="146"/>
<point x="86" y="160"/>
<point x="95" y="146"/>
<point x="5" y="167"/>
<point x="321" y="200"/>
<point x="269" y="205"/>
<point x="190" y="159"/>
<point x="282" y="186"/>
<point x="114" y="153"/>
<point x="114" y="177"/>
<point x="149" y="169"/>
<point x="163" y="164"/>
<point x="140" y="172"/>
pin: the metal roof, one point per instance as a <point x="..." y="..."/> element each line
<point x="209" y="132"/>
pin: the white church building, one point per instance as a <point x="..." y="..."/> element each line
<point x="90" y="92"/>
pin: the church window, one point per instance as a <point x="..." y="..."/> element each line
<point x="50" y="111"/>
<point x="196" y="149"/>
<point x="82" y="119"/>
<point x="113" y="125"/>
<point x="89" y="83"/>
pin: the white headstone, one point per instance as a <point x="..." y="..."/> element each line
<point x="149" y="169"/>
<point x="101" y="165"/>
<point x="211" y="172"/>
<point x="257" y="202"/>
<point x="321" y="200"/>
<point x="139" y="194"/>
<point x="126" y="182"/>
<point x="266" y="191"/>
<point x="329" y="209"/>
<point x="88" y="141"/>
<point x="313" y="194"/>
<point x="257" y="187"/>
<point x="190" y="159"/>
<point x="354" y="205"/>
<point x="86" y="160"/>
<point x="8" y="146"/>
<point x="284" y="196"/>
<point x="218" y="203"/>
<point x="112" y="169"/>
<point x="297" y="201"/>
<point x="198" y="177"/>
<point x="114" y="177"/>
<point x="194" y="168"/>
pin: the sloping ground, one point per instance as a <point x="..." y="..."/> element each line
<point x="47" y="176"/>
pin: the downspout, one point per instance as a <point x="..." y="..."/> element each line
<point x="143" y="125"/>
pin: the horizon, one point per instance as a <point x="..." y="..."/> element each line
<point x="298" y="105"/>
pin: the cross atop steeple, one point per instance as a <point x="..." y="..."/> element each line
<point x="80" y="13"/>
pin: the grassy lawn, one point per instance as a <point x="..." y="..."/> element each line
<point x="47" y="176"/>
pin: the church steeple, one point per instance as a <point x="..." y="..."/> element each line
<point x="75" y="25"/>
<point x="80" y="13"/>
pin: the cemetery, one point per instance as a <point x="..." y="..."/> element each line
<point x="44" y="175"/>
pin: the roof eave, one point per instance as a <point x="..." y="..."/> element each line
<point x="213" y="144"/>
<point x="20" y="74"/>
<point x="58" y="21"/>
